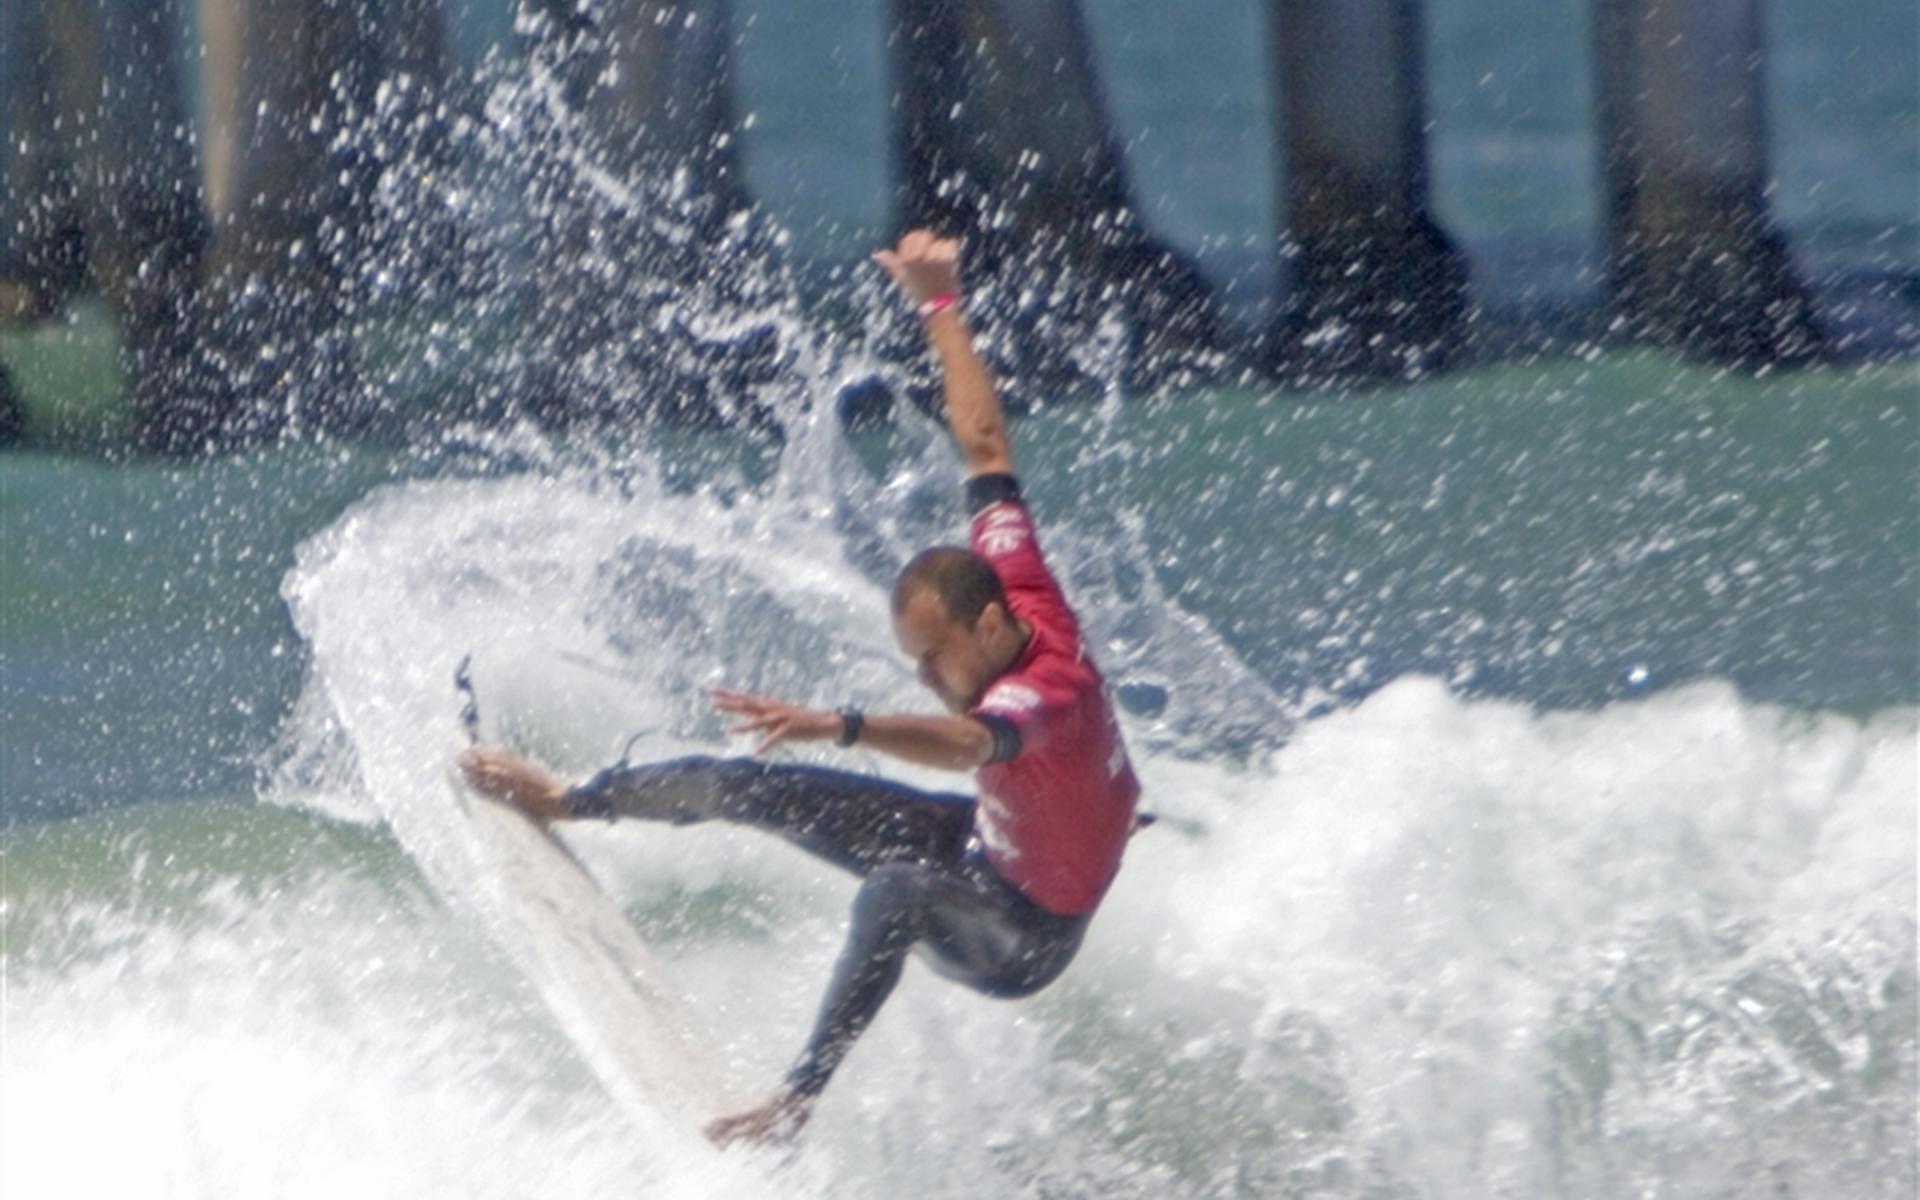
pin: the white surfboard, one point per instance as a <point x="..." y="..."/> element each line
<point x="606" y="987"/>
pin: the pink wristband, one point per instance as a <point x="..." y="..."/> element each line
<point x="938" y="304"/>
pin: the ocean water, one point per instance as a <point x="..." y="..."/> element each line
<point x="1524" y="846"/>
<point x="1538" y="743"/>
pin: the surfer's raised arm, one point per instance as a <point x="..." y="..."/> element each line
<point x="927" y="268"/>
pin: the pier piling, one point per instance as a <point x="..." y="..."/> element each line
<point x="1002" y="136"/>
<point x="1694" y="260"/>
<point x="136" y="201"/>
<point x="1374" y="284"/>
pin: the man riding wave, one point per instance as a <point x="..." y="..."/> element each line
<point x="996" y="890"/>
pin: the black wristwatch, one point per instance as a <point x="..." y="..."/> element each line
<point x="851" y="719"/>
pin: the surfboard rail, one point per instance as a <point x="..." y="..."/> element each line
<point x="604" y="984"/>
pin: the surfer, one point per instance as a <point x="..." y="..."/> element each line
<point x="994" y="890"/>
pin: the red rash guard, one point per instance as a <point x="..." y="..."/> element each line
<point x="1055" y="817"/>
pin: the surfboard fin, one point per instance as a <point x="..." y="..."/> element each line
<point x="470" y="706"/>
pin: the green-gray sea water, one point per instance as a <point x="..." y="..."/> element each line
<point x="1543" y="740"/>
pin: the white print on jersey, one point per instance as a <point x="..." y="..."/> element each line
<point x="1011" y="697"/>
<point x="992" y="827"/>
<point x="997" y="542"/>
<point x="1002" y="531"/>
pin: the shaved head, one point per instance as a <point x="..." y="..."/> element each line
<point x="961" y="579"/>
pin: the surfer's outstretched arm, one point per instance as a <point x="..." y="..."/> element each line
<point x="948" y="743"/>
<point x="927" y="268"/>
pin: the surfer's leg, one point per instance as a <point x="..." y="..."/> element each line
<point x="995" y="940"/>
<point x="888" y="918"/>
<point x="978" y="930"/>
<point x="856" y="822"/>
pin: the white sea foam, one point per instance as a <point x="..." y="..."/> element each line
<point x="307" y="1038"/>
<point x="1459" y="949"/>
<point x="1446" y="947"/>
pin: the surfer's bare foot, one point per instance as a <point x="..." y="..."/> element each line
<point x="776" y="1121"/>
<point x="504" y="776"/>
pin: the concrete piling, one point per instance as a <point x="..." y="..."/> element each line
<point x="648" y="223"/>
<point x="1374" y="285"/>
<point x="652" y="81"/>
<point x="292" y="213"/>
<point x="1001" y="135"/>
<point x="136" y="196"/>
<point x="43" y="242"/>
<point x="1694" y="260"/>
<point x="326" y="175"/>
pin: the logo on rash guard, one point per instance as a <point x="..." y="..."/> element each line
<point x="1001" y="531"/>
<point x="1011" y="697"/>
<point x="992" y="827"/>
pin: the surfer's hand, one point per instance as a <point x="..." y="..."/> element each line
<point x="778" y="720"/>
<point x="778" y="1120"/>
<point x="924" y="264"/>
<point x="504" y="776"/>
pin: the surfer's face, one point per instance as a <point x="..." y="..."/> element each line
<point x="956" y="661"/>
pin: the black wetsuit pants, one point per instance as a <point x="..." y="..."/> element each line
<point x="925" y="880"/>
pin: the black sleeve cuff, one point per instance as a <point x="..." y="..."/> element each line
<point x="984" y="491"/>
<point x="1006" y="737"/>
